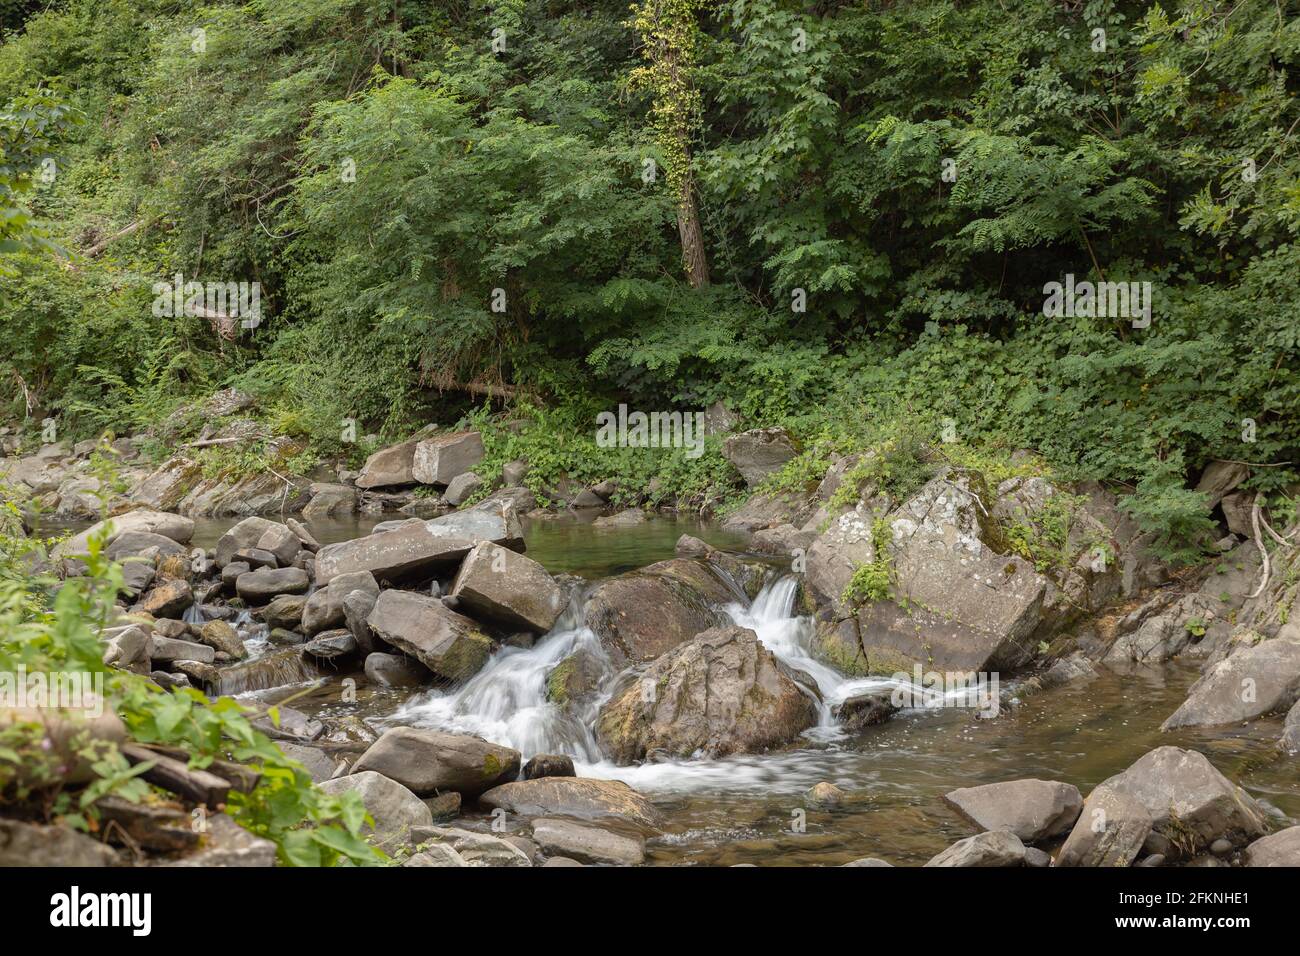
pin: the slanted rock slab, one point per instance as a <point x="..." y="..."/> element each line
<point x="430" y="761"/>
<point x="1033" y="810"/>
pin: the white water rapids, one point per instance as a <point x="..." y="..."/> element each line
<point x="506" y="702"/>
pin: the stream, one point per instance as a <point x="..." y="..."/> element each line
<point x="744" y="809"/>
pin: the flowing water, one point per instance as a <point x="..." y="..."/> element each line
<point x="750" y="809"/>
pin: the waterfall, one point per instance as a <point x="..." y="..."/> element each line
<point x="194" y="615"/>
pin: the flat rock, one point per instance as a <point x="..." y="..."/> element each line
<point x="587" y="844"/>
<point x="1111" y="830"/>
<point x="578" y="797"/>
<point x="992" y="848"/>
<point x="1033" y="810"/>
<point x="1253" y="682"/>
<point x="31" y="844"/>
<point x="389" y="466"/>
<point x="439" y="459"/>
<point x="260" y="586"/>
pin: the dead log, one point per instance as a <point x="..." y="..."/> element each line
<point x="197" y="786"/>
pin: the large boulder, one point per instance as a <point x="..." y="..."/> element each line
<point x="1276" y="849"/>
<point x="476" y="849"/>
<point x="1190" y="802"/>
<point x="437" y="460"/>
<point x="959" y="604"/>
<point x="509" y="589"/>
<point x="32" y="844"/>
<point x="758" y="453"/>
<point x="396" y="811"/>
<point x="1219" y="478"/>
<point x="581" y="798"/>
<point x="417" y="548"/>
<point x="449" y="644"/>
<point x="171" y="526"/>
<point x="429" y="761"/>
<point x="993" y="848"/>
<point x="847" y="544"/>
<point x="643" y="614"/>
<point x="1259" y="680"/>
<point x="1110" y="830"/>
<point x="168" y="599"/>
<point x="389" y="466"/>
<point x="587" y="844"/>
<point x="720" y="693"/>
<point x="167" y="487"/>
<point x="1033" y="810"/>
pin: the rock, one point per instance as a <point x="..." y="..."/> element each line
<point x="285" y="611"/>
<point x="587" y="499"/>
<point x="1154" y="860"/>
<point x="389" y="466"/>
<point x="438" y="854"/>
<point x="549" y="765"/>
<point x="461" y="488"/>
<point x="508" y="588"/>
<point x="641" y="615"/>
<point x="1036" y="858"/>
<point x="449" y="644"/>
<point x="864" y="710"/>
<point x="220" y="636"/>
<point x="243" y="535"/>
<point x="396" y="811"/>
<point x="255" y="558"/>
<point x="559" y="861"/>
<point x="992" y="848"/>
<point x="764" y="511"/>
<point x="969" y="608"/>
<point x="356" y="612"/>
<point x="201" y="673"/>
<point x="128" y="649"/>
<point x="868" y="861"/>
<point x="1237" y="509"/>
<point x="165" y="489"/>
<point x="1068" y="670"/>
<point x="784" y="539"/>
<point x="230" y="575"/>
<point x="226" y="843"/>
<point x="328" y="500"/>
<point x="758" y="453"/>
<point x="587" y="844"/>
<point x="132" y="543"/>
<point x="259" y="587"/>
<point x="1189" y="801"/>
<point x="825" y="795"/>
<point x="429" y="761"/>
<point x="1254" y="681"/>
<point x="477" y="849"/>
<point x="627" y="518"/>
<point x="417" y="547"/>
<point x="582" y="798"/>
<point x="305" y="537"/>
<point x="1290" y="741"/>
<point x="331" y="645"/>
<point x="1276" y="849"/>
<point x="395" y="670"/>
<point x="720" y="693"/>
<point x="577" y="678"/>
<point x="1219" y="478"/>
<point x="1034" y="810"/>
<point x="1221" y="847"/>
<point x="170" y="649"/>
<point x="439" y="459"/>
<point x="836" y="554"/>
<point x="317" y="763"/>
<point x="1160" y="635"/>
<point x="31" y="844"/>
<point x="167" y="599"/>
<point x="320" y="613"/>
<point x="228" y="401"/>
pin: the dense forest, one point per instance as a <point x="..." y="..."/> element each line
<point x="839" y="217"/>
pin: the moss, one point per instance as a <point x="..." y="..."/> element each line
<point x="557" y="681"/>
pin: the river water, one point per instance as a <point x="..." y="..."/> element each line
<point x="750" y="809"/>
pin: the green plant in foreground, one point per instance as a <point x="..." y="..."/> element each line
<point x="873" y="581"/>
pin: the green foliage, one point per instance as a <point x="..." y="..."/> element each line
<point x="873" y="581"/>
<point x="1176" y="516"/>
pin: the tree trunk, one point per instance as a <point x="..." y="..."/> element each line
<point x="688" y="227"/>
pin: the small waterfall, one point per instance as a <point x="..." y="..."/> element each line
<point x="194" y="615"/>
<point x="286" y="666"/>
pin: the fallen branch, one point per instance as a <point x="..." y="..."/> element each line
<point x="103" y="244"/>
<point x="197" y="786"/>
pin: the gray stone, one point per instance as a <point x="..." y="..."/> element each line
<point x="331" y="645"/>
<point x="720" y="693"/>
<point x="245" y="534"/>
<point x="1034" y="810"/>
<point x="284" y="611"/>
<point x="429" y="761"/>
<point x="449" y="644"/>
<point x="170" y="598"/>
<point x="992" y="848"/>
<point x="439" y="459"/>
<point x="587" y="844"/>
<point x="356" y="612"/>
<point x="508" y="588"/>
<point x="329" y="500"/>
<point x="175" y="527"/>
<point x="220" y="636"/>
<point x="549" y="765"/>
<point x="477" y="849"/>
<point x="758" y="453"/>
<point x="389" y="466"/>
<point x="1189" y="801"/>
<point x="395" y="809"/>
<point x="31" y="844"/>
<point x="1254" y="681"/>
<point x="395" y="670"/>
<point x="461" y="488"/>
<point x="437" y="854"/>
<point x="1219" y="478"/>
<point x="281" y="542"/>
<point x="581" y="798"/>
<point x="1276" y="849"/>
<point x="259" y="587"/>
<point x="869" y="861"/>
<point x="170" y="649"/>
<point x="317" y="763"/>
<point x="226" y="843"/>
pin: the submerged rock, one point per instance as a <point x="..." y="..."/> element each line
<point x="579" y="797"/>
<point x="720" y="693"/>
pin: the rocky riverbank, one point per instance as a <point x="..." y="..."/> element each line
<point x="996" y="572"/>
